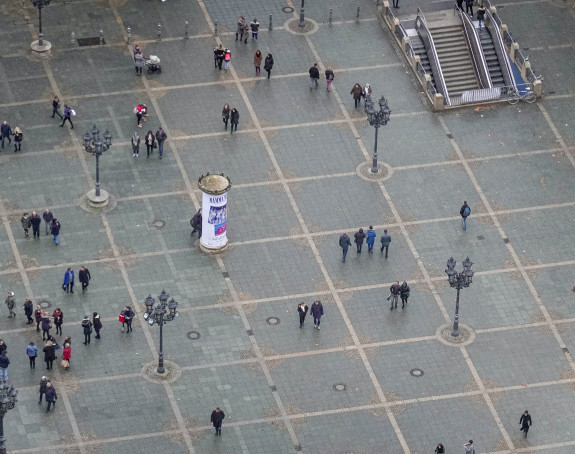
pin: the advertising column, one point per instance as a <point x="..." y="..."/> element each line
<point x="214" y="211"/>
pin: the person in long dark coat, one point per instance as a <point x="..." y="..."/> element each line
<point x="43" y="383"/>
<point x="38" y="317"/>
<point x="525" y="422"/>
<point x="97" y="324"/>
<point x="234" y="118"/>
<point x="216" y="419"/>
<point x="87" y="327"/>
<point x="404" y="293"/>
<point x="358" y="239"/>
<point x="269" y="64"/>
<point x="51" y="396"/>
<point x="316" y="311"/>
<point x="46" y="326"/>
<point x="302" y="311"/>
<point x="28" y="311"/>
<point x="49" y="354"/>
<point x="84" y="277"/>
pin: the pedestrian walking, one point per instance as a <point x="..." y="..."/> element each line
<point x="226" y="115"/>
<point x="49" y="354"/>
<point x="359" y="236"/>
<point x="46" y="326"/>
<point x="32" y="353"/>
<point x="227" y="58"/>
<point x="128" y="314"/>
<point x="440" y="449"/>
<point x="139" y="63"/>
<point x="47" y="216"/>
<point x="396" y="3"/>
<point x="219" y="56"/>
<point x="216" y="419"/>
<point x="302" y="311"/>
<point x="97" y="324"/>
<point x="84" y="276"/>
<point x="481" y="16"/>
<point x="329" y="76"/>
<point x="246" y="33"/>
<point x="235" y="118"/>
<point x="26" y="224"/>
<point x="87" y="327"/>
<point x="66" y="356"/>
<point x="367" y="93"/>
<point x="55" y="230"/>
<point x="240" y="28"/>
<point x="28" y="311"/>
<point x="38" y="317"/>
<point x="3" y="347"/>
<point x="10" y="303"/>
<point x="141" y="111"/>
<point x="269" y="64"/>
<point x="404" y="293"/>
<point x="150" y="143"/>
<point x="258" y="61"/>
<point x="316" y="311"/>
<point x="370" y="239"/>
<point x="43" y="382"/>
<point x="395" y="291"/>
<point x="196" y="223"/>
<point x="469" y="449"/>
<point x="357" y="93"/>
<point x="314" y="76"/>
<point x="525" y="422"/>
<point x="68" y="284"/>
<point x="344" y="243"/>
<point x="51" y="396"/>
<point x="58" y="318"/>
<point x="464" y="212"/>
<point x="385" y="241"/>
<point x="68" y="112"/>
<point x="35" y="221"/>
<point x="4" y="363"/>
<point x="135" y="145"/>
<point x="469" y="7"/>
<point x="161" y="138"/>
<point x="255" y="26"/>
<point x="5" y="133"/>
<point x="56" y="108"/>
<point x="18" y="136"/>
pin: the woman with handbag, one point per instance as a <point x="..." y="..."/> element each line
<point x="128" y="314"/>
<point x="67" y="355"/>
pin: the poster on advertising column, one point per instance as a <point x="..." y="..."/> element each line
<point x="214" y="211"/>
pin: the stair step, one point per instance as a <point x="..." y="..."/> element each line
<point x="462" y="78"/>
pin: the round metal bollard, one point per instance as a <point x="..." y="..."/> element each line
<point x="186" y="32"/>
<point x="129" y="30"/>
<point x="159" y="32"/>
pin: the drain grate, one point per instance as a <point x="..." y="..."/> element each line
<point x="273" y="321"/>
<point x="89" y="41"/>
<point x="416" y="372"/>
<point x="193" y="335"/>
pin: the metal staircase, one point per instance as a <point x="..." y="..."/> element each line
<point x="491" y="58"/>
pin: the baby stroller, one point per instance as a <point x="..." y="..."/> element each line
<point x="153" y="64"/>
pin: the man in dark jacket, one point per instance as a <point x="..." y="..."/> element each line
<point x="314" y="76"/>
<point x="28" y="311"/>
<point x="525" y="422"/>
<point x="385" y="241"/>
<point x="395" y="291"/>
<point x="196" y="223"/>
<point x="161" y="137"/>
<point x="4" y="363"/>
<point x="43" y="382"/>
<point x="51" y="396"/>
<point x="67" y="116"/>
<point x="234" y="119"/>
<point x="216" y="419"/>
<point x="10" y="303"/>
<point x="35" y="220"/>
<point x="5" y="131"/>
<point x="56" y="108"/>
<point x="55" y="230"/>
<point x="358" y="239"/>
<point x="344" y="243"/>
<point x="255" y="26"/>
<point x="464" y="212"/>
<point x="87" y="327"/>
<point x="316" y="311"/>
<point x="84" y="277"/>
<point x="47" y="216"/>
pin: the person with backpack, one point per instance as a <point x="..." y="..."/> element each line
<point x="329" y="76"/>
<point x="196" y="223"/>
<point x="161" y="137"/>
<point x="68" y="112"/>
<point x="269" y="64"/>
<point x="465" y="211"/>
<point x="227" y="58"/>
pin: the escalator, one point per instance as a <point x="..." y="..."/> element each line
<point x="491" y="58"/>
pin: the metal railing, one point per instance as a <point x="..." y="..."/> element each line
<point x="498" y="44"/>
<point x="508" y="39"/>
<point x="424" y="33"/>
<point x="431" y="91"/>
<point x="389" y="15"/>
<point x="400" y="33"/>
<point x="520" y="59"/>
<point x="475" y="50"/>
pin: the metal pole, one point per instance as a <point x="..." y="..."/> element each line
<point x="301" y="16"/>
<point x="357" y="16"/>
<point x="215" y="28"/>
<point x="129" y="30"/>
<point x="159" y="32"/>
<point x="40" y="34"/>
<point x="455" y="331"/>
<point x="97" y="175"/>
<point x="187" y="32"/>
<point x="161" y="369"/>
<point x="329" y="21"/>
<point x="270" y="28"/>
<point x="101" y="37"/>
<point x="374" y="168"/>
<point x="73" y="39"/>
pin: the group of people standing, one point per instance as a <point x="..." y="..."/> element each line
<point x="230" y="115"/>
<point x="369" y="237"/>
<point x="34" y="221"/>
<point x="5" y="133"/>
<point x="84" y="277"/>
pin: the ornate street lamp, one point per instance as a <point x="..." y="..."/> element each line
<point x="458" y="281"/>
<point x="377" y="119"/>
<point x="159" y="315"/>
<point x="8" y="399"/>
<point x="94" y="145"/>
<point x="40" y="4"/>
<point x="301" y="16"/>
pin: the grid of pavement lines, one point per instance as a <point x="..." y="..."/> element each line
<point x="372" y="380"/>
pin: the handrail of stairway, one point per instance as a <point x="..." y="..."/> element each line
<point x="499" y="45"/>
<point x="421" y="27"/>
<point x="475" y="50"/>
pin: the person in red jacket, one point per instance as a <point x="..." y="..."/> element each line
<point x="67" y="355"/>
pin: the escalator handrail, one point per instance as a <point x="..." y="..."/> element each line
<point x="500" y="49"/>
<point x="475" y="46"/>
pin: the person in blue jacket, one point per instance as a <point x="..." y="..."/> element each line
<point x="370" y="239"/>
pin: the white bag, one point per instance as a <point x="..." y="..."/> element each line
<point x="73" y="112"/>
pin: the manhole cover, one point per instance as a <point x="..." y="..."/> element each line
<point x="288" y="9"/>
<point x="158" y="223"/>
<point x="44" y="304"/>
<point x="194" y="335"/>
<point x="339" y="387"/>
<point x="416" y="372"/>
<point x="89" y="41"/>
<point x="273" y="321"/>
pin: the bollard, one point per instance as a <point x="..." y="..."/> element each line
<point x="270" y="28"/>
<point x="159" y="32"/>
<point x="73" y="39"/>
<point x="101" y="37"/>
<point x="357" y="16"/>
<point x="329" y="21"/>
<point x="216" y="28"/>
<point x="129" y="30"/>
<point x="186" y="32"/>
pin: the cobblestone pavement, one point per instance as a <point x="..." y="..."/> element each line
<point x="372" y="380"/>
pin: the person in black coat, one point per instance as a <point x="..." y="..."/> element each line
<point x="302" y="311"/>
<point x="46" y="326"/>
<point x="128" y="317"/>
<point x="58" y="317"/>
<point x="35" y="220"/>
<point x="469" y="7"/>
<point x="51" y="396"/>
<point x="269" y="64"/>
<point x="38" y="317"/>
<point x="316" y="311"/>
<point x="56" y="108"/>
<point x="87" y="327"/>
<point x="3" y="347"/>
<point x="84" y="277"/>
<point x="404" y="292"/>
<point x="344" y="243"/>
<point x="525" y="422"/>
<point x="235" y="118"/>
<point x="313" y="76"/>
<point x="216" y="419"/>
<point x="28" y="311"/>
<point x="226" y="115"/>
<point x="358" y="239"/>
<point x="196" y="223"/>
<point x="49" y="354"/>
<point x="43" y="382"/>
<point x="97" y="324"/>
<point x="395" y="291"/>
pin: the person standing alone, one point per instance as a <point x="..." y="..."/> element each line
<point x="216" y="419"/>
<point x="464" y="212"/>
<point x="385" y="241"/>
<point x="56" y="108"/>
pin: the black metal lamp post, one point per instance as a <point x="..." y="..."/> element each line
<point x="8" y="399"/>
<point x="40" y="4"/>
<point x="94" y="145"/>
<point x="458" y="280"/>
<point x="159" y="315"/>
<point x="301" y="16"/>
<point x="377" y="119"/>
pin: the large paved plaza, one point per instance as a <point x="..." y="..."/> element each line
<point x="372" y="380"/>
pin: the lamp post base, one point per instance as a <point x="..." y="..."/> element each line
<point x="98" y="201"/>
<point x="43" y="50"/>
<point x="213" y="250"/>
